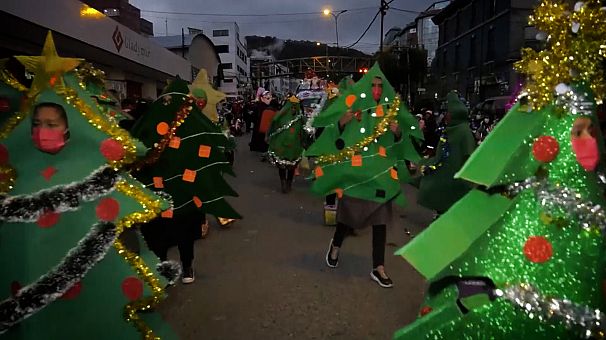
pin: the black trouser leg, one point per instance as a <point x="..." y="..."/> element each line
<point x="290" y="174"/>
<point x="156" y="237"/>
<point x="340" y="233"/>
<point x="331" y="199"/>
<point x="379" y="236"/>
<point x="186" y="237"/>
<point x="282" y="173"/>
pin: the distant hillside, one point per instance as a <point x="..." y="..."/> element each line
<point x="289" y="49"/>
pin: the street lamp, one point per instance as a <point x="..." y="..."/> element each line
<point x="328" y="12"/>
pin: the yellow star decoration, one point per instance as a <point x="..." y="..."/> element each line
<point x="48" y="68"/>
<point x="576" y="46"/>
<point x="212" y="96"/>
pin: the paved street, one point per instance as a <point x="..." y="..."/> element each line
<point x="265" y="277"/>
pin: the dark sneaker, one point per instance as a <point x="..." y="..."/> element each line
<point x="332" y="263"/>
<point x="188" y="275"/>
<point x="383" y="282"/>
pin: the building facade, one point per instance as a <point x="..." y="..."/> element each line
<point x="427" y="32"/>
<point x="271" y="76"/>
<point x="134" y="66"/>
<point x="479" y="42"/>
<point x="124" y="13"/>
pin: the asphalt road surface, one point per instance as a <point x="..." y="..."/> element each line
<point x="265" y="276"/>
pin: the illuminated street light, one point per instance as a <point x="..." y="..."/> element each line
<point x="328" y="12"/>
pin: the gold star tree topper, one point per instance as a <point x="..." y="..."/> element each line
<point x="213" y="97"/>
<point x="48" y="68"/>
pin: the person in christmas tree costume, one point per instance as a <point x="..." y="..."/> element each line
<point x="64" y="206"/>
<point x="285" y="139"/>
<point x="525" y="259"/>
<point x="361" y="158"/>
<point x="187" y="161"/>
<point x="438" y="189"/>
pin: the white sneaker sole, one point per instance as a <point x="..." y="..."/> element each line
<point x="187" y="280"/>
<point x="328" y="254"/>
<point x="376" y="279"/>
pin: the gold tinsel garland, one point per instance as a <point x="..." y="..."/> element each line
<point x="7" y="78"/>
<point x="99" y="122"/>
<point x="151" y="209"/>
<point x="154" y="154"/>
<point x="379" y="130"/>
<point x="576" y="49"/>
<point x="86" y="72"/>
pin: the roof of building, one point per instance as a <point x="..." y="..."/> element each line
<point x="448" y="10"/>
<point x="174" y="41"/>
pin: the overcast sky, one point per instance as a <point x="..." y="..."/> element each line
<point x="314" y="27"/>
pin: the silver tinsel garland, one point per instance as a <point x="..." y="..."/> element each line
<point x="29" y="300"/>
<point x="286" y="126"/>
<point x="589" y="321"/>
<point x="277" y="161"/>
<point x="61" y="198"/>
<point x="589" y="215"/>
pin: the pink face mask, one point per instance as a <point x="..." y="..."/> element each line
<point x="586" y="150"/>
<point x="48" y="140"/>
<point x="376" y="93"/>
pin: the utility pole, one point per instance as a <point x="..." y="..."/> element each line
<point x="182" y="42"/>
<point x="383" y="9"/>
<point x="166" y="25"/>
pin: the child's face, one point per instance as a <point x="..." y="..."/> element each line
<point x="49" y="118"/>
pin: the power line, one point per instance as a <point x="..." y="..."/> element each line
<point x="405" y="10"/>
<point x="366" y="30"/>
<point x="249" y="14"/>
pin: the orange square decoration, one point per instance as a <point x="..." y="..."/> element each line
<point x="394" y="173"/>
<point x="380" y="112"/>
<point x="158" y="183"/>
<point x="197" y="201"/>
<point x="339" y="192"/>
<point x="189" y="175"/>
<point x="167" y="214"/>
<point x="356" y="160"/>
<point x="382" y="151"/>
<point x="318" y="171"/>
<point x="204" y="151"/>
<point x="175" y="142"/>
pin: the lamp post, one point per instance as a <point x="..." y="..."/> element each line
<point x="328" y="12"/>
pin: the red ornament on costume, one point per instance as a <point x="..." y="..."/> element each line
<point x="538" y="249"/>
<point x="545" y="149"/>
<point x="201" y="103"/>
<point x="48" y="219"/>
<point x="132" y="288"/>
<point x="73" y="291"/>
<point x="108" y="209"/>
<point x="3" y="154"/>
<point x="112" y="150"/>
<point x="425" y="310"/>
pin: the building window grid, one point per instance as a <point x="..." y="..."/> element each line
<point x="220" y="33"/>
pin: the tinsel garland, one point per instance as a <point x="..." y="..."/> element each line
<point x="7" y="78"/>
<point x="29" y="300"/>
<point x="98" y="121"/>
<point x="61" y="198"/>
<point x="277" y="161"/>
<point x="445" y="153"/>
<point x="154" y="154"/>
<point x="152" y="209"/>
<point x="589" y="215"/>
<point x="86" y="72"/>
<point x="380" y="129"/>
<point x="286" y="126"/>
<point x="575" y="50"/>
<point x="308" y="127"/>
<point x="589" y="321"/>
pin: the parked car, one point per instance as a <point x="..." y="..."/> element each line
<point x="494" y="107"/>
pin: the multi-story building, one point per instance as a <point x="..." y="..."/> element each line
<point x="391" y="37"/>
<point x="124" y="13"/>
<point x="427" y="32"/>
<point x="134" y="66"/>
<point x="478" y="44"/>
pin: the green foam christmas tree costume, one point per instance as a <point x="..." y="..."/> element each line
<point x="526" y="258"/>
<point x="187" y="158"/>
<point x="285" y="135"/>
<point x="71" y="275"/>
<point x="438" y="189"/>
<point x="365" y="161"/>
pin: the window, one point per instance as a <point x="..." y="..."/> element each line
<point x="220" y="33"/>
<point x="472" y="51"/>
<point x="490" y="51"/>
<point x="228" y="80"/>
<point x="111" y="12"/>
<point x="457" y="56"/>
<point x="226" y="66"/>
<point x="222" y="48"/>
